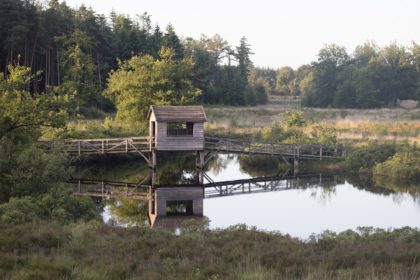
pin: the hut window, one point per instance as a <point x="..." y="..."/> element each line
<point x="179" y="207"/>
<point x="180" y="129"/>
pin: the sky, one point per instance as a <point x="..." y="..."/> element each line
<point x="282" y="32"/>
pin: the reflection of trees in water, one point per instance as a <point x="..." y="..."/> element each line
<point x="365" y="182"/>
<point x="259" y="166"/>
<point x="128" y="168"/>
<point x="128" y="212"/>
<point x="175" y="168"/>
<point x="217" y="164"/>
<point x="399" y="186"/>
<point x="381" y="185"/>
<point x="323" y="194"/>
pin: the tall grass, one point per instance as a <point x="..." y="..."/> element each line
<point x="96" y="251"/>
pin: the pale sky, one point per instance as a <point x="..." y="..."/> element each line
<point x="280" y="32"/>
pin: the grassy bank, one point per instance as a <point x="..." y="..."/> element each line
<point x="350" y="125"/>
<point x="97" y="251"/>
<point x="263" y="123"/>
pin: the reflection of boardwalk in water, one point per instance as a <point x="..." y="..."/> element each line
<point x="170" y="205"/>
<point x="139" y="191"/>
<point x="264" y="184"/>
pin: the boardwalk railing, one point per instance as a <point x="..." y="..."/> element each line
<point x="100" y="146"/>
<point x="267" y="148"/>
<point x="142" y="145"/>
<point x="139" y="191"/>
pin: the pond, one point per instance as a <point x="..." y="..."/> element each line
<point x="295" y="203"/>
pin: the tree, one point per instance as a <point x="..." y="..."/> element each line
<point x="285" y="83"/>
<point x="243" y="52"/>
<point x="143" y="81"/>
<point x="331" y="61"/>
<point x="364" y="53"/>
<point x="23" y="114"/>
<point x="25" y="169"/>
<point x="395" y="74"/>
<point x="78" y="67"/>
<point x="170" y="40"/>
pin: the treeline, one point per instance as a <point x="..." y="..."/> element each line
<point x="76" y="49"/>
<point x="371" y="77"/>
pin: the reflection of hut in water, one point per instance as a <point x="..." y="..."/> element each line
<point x="177" y="128"/>
<point x="171" y="205"/>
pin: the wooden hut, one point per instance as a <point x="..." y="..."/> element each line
<point x="177" y="128"/>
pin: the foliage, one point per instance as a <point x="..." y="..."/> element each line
<point x="20" y="211"/>
<point x="29" y="174"/>
<point x="129" y="211"/>
<point x="365" y="158"/>
<point x="143" y="81"/>
<point x="370" y="78"/>
<point x="404" y="164"/>
<point x="293" y="119"/>
<point x="30" y="171"/>
<point x="22" y="114"/>
<point x="76" y="49"/>
<point x="94" y="251"/>
<point x="324" y="135"/>
<point x="57" y="205"/>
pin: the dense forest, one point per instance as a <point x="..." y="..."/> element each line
<point x="371" y="77"/>
<point x="74" y="50"/>
<point x="77" y="51"/>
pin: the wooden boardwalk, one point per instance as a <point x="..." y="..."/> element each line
<point x="142" y="146"/>
<point x="289" y="151"/>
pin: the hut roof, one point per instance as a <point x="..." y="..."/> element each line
<point x="178" y="113"/>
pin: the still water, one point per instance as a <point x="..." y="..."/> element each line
<point x="314" y="209"/>
<point x="309" y="203"/>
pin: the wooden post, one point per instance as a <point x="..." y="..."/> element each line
<point x="199" y="164"/>
<point x="320" y="152"/>
<point x="126" y="145"/>
<point x="152" y="160"/>
<point x="103" y="146"/>
<point x="78" y="147"/>
<point x="152" y="177"/>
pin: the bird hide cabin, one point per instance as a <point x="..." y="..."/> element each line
<point x="177" y="128"/>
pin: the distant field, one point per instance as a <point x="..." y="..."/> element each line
<point x="352" y="125"/>
<point x="396" y="124"/>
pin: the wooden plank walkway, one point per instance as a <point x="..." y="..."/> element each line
<point x="289" y="151"/>
<point x="100" y="146"/>
<point x="141" y="145"/>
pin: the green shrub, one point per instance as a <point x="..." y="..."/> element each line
<point x="20" y="210"/>
<point x="293" y="119"/>
<point x="365" y="158"/>
<point x="403" y="165"/>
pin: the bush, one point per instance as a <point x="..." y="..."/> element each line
<point x="403" y="165"/>
<point x="294" y="119"/>
<point x="57" y="205"/>
<point x="20" y="210"/>
<point x="365" y="158"/>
